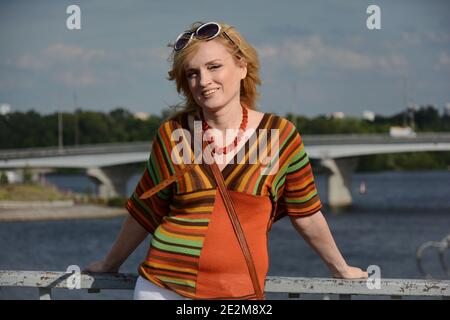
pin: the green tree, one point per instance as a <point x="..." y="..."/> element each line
<point x="27" y="175"/>
<point x="3" y="178"/>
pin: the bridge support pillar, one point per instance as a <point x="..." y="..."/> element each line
<point x="112" y="180"/>
<point x="339" y="181"/>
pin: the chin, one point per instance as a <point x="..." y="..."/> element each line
<point x="211" y="105"/>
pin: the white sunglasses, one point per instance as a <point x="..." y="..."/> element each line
<point x="206" y="31"/>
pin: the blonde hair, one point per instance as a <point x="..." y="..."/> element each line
<point x="241" y="50"/>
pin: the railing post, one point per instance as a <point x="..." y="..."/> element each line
<point x="45" y="294"/>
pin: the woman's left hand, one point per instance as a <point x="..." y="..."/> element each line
<point x="350" y="273"/>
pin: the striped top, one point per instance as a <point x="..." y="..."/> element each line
<point x="194" y="250"/>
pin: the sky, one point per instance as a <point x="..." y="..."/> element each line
<point x="317" y="57"/>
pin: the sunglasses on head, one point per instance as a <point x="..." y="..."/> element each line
<point x="206" y="31"/>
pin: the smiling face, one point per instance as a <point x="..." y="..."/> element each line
<point x="214" y="76"/>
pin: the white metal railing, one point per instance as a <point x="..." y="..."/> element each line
<point x="45" y="281"/>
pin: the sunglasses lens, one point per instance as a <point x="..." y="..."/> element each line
<point x="182" y="41"/>
<point x="207" y="31"/>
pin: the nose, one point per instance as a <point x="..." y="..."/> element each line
<point x="205" y="78"/>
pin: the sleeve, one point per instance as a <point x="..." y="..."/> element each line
<point x="298" y="194"/>
<point x="150" y="212"/>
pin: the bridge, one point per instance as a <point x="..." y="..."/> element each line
<point x="111" y="165"/>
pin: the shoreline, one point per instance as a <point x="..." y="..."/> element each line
<point x="61" y="213"/>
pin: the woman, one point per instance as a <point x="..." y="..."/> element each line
<point x="198" y="250"/>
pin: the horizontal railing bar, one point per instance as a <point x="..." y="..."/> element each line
<point x="391" y="287"/>
<point x="292" y="285"/>
<point x="52" y="279"/>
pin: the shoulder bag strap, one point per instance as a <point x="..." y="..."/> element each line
<point x="237" y="229"/>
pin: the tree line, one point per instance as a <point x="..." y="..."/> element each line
<point x="31" y="129"/>
<point x="424" y="119"/>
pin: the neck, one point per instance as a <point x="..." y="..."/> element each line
<point x="228" y="117"/>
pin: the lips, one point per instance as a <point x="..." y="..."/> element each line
<point x="209" y="92"/>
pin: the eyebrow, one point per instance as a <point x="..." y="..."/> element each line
<point x="208" y="63"/>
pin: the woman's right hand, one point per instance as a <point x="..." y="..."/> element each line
<point x="100" y="266"/>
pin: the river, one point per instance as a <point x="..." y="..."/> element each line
<point x="398" y="212"/>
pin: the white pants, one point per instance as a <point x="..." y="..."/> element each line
<point x="146" y="290"/>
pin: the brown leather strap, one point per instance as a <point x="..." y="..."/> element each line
<point x="165" y="183"/>
<point x="237" y="229"/>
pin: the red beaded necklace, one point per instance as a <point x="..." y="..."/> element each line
<point x="237" y="139"/>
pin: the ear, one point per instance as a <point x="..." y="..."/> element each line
<point x="242" y="67"/>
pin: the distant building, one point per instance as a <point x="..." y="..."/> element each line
<point x="396" y="131"/>
<point x="413" y="107"/>
<point x="369" y="115"/>
<point x="5" y="109"/>
<point x="141" y="115"/>
<point x="447" y="109"/>
<point x="337" y="115"/>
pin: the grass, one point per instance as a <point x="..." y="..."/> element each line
<point x="31" y="192"/>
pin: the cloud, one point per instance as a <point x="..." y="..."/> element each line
<point x="312" y="52"/>
<point x="54" y="54"/>
<point x="443" y="61"/>
<point x="147" y="58"/>
<point x="77" y="66"/>
<point x="160" y="53"/>
<point x="78" y="79"/>
<point x="419" y="38"/>
<point x="439" y="37"/>
<point x="63" y="52"/>
<point x="16" y="81"/>
<point x="69" y="64"/>
<point x="28" y="61"/>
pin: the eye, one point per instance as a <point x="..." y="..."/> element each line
<point x="190" y="75"/>
<point x="215" y="66"/>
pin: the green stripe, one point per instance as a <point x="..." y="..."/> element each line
<point x="299" y="154"/>
<point x="261" y="176"/>
<point x="280" y="182"/>
<point x="293" y="131"/>
<point x="148" y="211"/>
<point x="280" y="176"/>
<point x="175" y="281"/>
<point x="152" y="168"/>
<point x="302" y="200"/>
<point x="174" y="240"/>
<point x="170" y="248"/>
<point x="190" y="220"/>
<point x="155" y="175"/>
<point x="167" y="159"/>
<point x="299" y="165"/>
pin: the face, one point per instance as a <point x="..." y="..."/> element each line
<point x="214" y="76"/>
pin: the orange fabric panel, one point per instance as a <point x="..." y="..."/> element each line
<point x="223" y="271"/>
